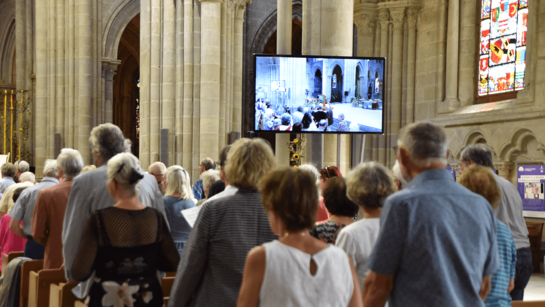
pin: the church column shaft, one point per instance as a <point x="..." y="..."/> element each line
<point x="84" y="78"/>
<point x="223" y="76"/>
<point x="384" y="17"/>
<point x="196" y="89"/>
<point x="70" y="56"/>
<point x="468" y="43"/>
<point x="169" y="74"/>
<point x="155" y="80"/>
<point x="41" y="85"/>
<point x="229" y="81"/>
<point x="52" y="68"/>
<point x="187" y="139"/>
<point x="398" y="15"/>
<point x="180" y="9"/>
<point x="145" y="48"/>
<point x="453" y="35"/>
<point x="411" y="61"/>
<point x="238" y="48"/>
<point x="59" y="113"/>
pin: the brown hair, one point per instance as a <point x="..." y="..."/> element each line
<point x="335" y="199"/>
<point x="330" y="172"/>
<point x="479" y="179"/>
<point x="291" y="194"/>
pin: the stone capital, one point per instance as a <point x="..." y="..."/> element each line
<point x="398" y="17"/>
<point x="239" y="11"/>
<point x="412" y="17"/>
<point x="504" y="166"/>
<point x="109" y="68"/>
<point x="210" y="1"/>
<point x="366" y="24"/>
<point x="384" y="16"/>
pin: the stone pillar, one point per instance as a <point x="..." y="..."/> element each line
<point x="210" y="77"/>
<point x="283" y="46"/>
<point x="451" y="102"/>
<point x="223" y="77"/>
<point x="187" y="138"/>
<point x="145" y="58"/>
<point x="238" y="53"/>
<point x="384" y="21"/>
<point x="505" y="170"/>
<point x="180" y="64"/>
<point x="398" y="18"/>
<point x="168" y="78"/>
<point x="109" y="68"/>
<point x="155" y="81"/>
<point x="41" y="86"/>
<point x="84" y="78"/>
<point x="468" y="43"/>
<point x="412" y="16"/>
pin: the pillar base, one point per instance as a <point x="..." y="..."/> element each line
<point x="449" y="105"/>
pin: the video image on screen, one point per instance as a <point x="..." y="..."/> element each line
<point x="319" y="95"/>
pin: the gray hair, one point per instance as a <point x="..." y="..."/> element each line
<point x="125" y="169"/>
<point x="157" y="168"/>
<point x="50" y="168"/>
<point x="315" y="174"/>
<point x="208" y="163"/>
<point x="425" y="142"/>
<point x="27" y="176"/>
<point x="107" y="141"/>
<point x="369" y="183"/>
<point x="209" y="177"/>
<point x="178" y="181"/>
<point x="8" y="169"/>
<point x="22" y="166"/>
<point x="70" y="161"/>
<point x="480" y="154"/>
<point x="297" y="117"/>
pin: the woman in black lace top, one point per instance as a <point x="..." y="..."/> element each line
<point x="125" y="245"/>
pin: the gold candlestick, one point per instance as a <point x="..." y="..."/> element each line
<point x="11" y="129"/>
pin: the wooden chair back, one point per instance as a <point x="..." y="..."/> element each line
<point x="528" y="304"/>
<point x="61" y="295"/>
<point x="535" y="232"/>
<point x="40" y="284"/>
<point x="26" y="268"/>
<point x="6" y="258"/>
<point x="166" y="284"/>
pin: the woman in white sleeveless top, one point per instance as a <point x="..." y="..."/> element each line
<point x="297" y="269"/>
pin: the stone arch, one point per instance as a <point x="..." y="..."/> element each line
<point x="7" y="53"/>
<point x="123" y="13"/>
<point x="474" y="137"/>
<point x="334" y="64"/>
<point x="517" y="143"/>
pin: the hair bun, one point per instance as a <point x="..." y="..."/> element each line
<point x="135" y="176"/>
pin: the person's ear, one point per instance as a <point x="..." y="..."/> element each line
<point x="403" y="155"/>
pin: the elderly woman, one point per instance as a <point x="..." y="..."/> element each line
<point x="209" y="177"/>
<point x="342" y="211"/>
<point x="480" y="180"/>
<point x="227" y="228"/>
<point x="125" y="244"/>
<point x="178" y="197"/>
<point x="368" y="185"/>
<point x="297" y="269"/>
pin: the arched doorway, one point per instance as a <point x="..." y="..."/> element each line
<point x="317" y="83"/>
<point x="126" y="84"/>
<point x="337" y="85"/>
<point x="296" y="40"/>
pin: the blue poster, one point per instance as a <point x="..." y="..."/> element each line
<point x="530" y="184"/>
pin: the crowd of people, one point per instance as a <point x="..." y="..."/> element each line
<point x="268" y="235"/>
<point x="311" y="118"/>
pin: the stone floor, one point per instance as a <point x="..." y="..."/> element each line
<point x="535" y="290"/>
<point x="371" y="118"/>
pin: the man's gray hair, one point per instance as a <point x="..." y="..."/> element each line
<point x="8" y="170"/>
<point x="50" y="168"/>
<point x="107" y="140"/>
<point x="70" y="161"/>
<point x="208" y="163"/>
<point x="22" y="166"/>
<point x="480" y="154"/>
<point x="27" y="176"/>
<point x="157" y="168"/>
<point x="425" y="142"/>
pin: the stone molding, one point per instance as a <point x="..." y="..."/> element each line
<point x="412" y="17"/>
<point x="398" y="18"/>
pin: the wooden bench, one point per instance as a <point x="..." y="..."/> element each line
<point x="28" y="267"/>
<point x="6" y="258"/>
<point x="40" y="284"/>
<point x="535" y="232"/>
<point x="79" y="304"/>
<point x="528" y="304"/>
<point x="61" y="295"/>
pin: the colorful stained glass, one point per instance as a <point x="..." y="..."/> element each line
<point x="502" y="61"/>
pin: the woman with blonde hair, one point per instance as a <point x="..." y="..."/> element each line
<point x="297" y="269"/>
<point x="125" y="245"/>
<point x="178" y="196"/>
<point x="226" y="229"/>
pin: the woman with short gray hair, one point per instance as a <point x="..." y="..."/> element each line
<point x="178" y="197"/>
<point x="368" y="185"/>
<point x="126" y="245"/>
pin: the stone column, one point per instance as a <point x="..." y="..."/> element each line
<point x="109" y="67"/>
<point x="468" y="43"/>
<point x="178" y="151"/>
<point x="145" y="58"/>
<point x="451" y="102"/>
<point x="41" y="86"/>
<point x="504" y="170"/>
<point x="398" y="18"/>
<point x="412" y="16"/>
<point x="283" y="46"/>
<point x="238" y="49"/>
<point x="210" y="77"/>
<point x="384" y="21"/>
<point x="84" y="78"/>
<point x="223" y="77"/>
<point x="168" y="78"/>
<point x="187" y="138"/>
<point x="155" y="80"/>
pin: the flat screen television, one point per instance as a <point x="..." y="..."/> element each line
<point x="318" y="94"/>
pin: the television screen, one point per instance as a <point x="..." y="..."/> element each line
<point x="318" y="94"/>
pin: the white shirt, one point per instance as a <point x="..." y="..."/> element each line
<point x="358" y="240"/>
<point x="229" y="191"/>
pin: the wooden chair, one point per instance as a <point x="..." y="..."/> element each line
<point x="61" y="295"/>
<point x="170" y="274"/>
<point x="40" y="284"/>
<point x="535" y="231"/>
<point x="166" y="284"/>
<point x="28" y="267"/>
<point x="6" y="258"/>
<point x="79" y="304"/>
<point x="528" y="304"/>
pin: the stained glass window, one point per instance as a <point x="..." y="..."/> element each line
<point x="504" y="24"/>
